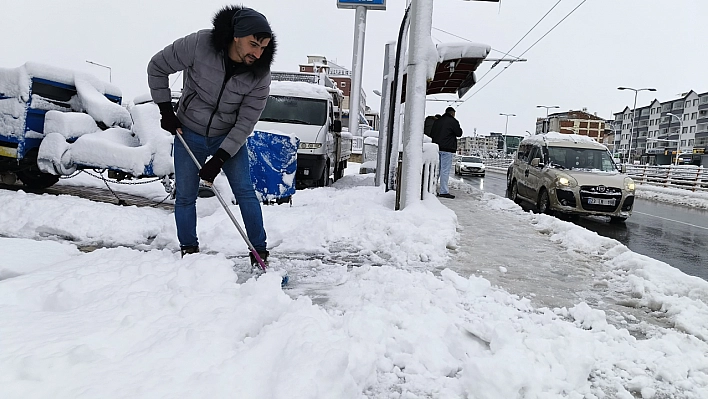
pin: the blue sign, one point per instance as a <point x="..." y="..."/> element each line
<point x="370" y="4"/>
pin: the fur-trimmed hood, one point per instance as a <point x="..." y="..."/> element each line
<point x="222" y="34"/>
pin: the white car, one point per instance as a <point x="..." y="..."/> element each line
<point x="469" y="165"/>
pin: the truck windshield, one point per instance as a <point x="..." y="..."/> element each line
<point x="304" y="111"/>
<point x="581" y="158"/>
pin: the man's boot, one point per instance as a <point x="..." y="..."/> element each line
<point x="189" y="249"/>
<point x="255" y="267"/>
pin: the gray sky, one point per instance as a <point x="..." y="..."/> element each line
<point x="602" y="45"/>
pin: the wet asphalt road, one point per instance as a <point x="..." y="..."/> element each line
<point x="673" y="234"/>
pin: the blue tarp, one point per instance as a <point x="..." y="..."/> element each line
<point x="273" y="162"/>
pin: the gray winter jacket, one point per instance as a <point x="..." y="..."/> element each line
<point x="212" y="105"/>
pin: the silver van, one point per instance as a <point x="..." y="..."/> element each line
<point x="569" y="174"/>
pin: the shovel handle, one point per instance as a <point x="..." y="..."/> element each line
<point x="260" y="261"/>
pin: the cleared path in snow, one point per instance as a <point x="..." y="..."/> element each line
<point x="514" y="254"/>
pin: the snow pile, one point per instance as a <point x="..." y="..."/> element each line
<point x="69" y="124"/>
<point x="146" y="127"/>
<point x="298" y="89"/>
<point x="696" y="199"/>
<point x="99" y="107"/>
<point x="372" y="311"/>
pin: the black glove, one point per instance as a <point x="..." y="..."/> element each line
<point x="213" y="166"/>
<point x="169" y="120"/>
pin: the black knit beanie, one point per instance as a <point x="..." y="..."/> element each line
<point x="249" y="22"/>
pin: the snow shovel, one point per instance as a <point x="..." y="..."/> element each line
<point x="261" y="264"/>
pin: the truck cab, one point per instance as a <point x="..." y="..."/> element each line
<point x="307" y="111"/>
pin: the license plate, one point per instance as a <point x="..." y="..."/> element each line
<point x="601" y="201"/>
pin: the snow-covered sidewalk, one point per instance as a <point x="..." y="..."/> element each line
<point x="379" y="306"/>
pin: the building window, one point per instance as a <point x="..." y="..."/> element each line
<point x="688" y="104"/>
<point x="694" y="115"/>
<point x="685" y="130"/>
<point x="695" y="102"/>
<point x="693" y="129"/>
<point x="685" y="117"/>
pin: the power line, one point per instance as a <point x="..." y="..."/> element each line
<point x="526" y="51"/>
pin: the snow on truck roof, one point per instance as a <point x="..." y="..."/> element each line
<point x="15" y="82"/>
<point x="555" y="139"/>
<point x="299" y="89"/>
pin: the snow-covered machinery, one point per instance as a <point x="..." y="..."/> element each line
<point x="54" y="122"/>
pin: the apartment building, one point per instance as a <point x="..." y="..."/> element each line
<point x="477" y="145"/>
<point x="660" y="127"/>
<point x="573" y="122"/>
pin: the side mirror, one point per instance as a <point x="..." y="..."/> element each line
<point x="337" y="126"/>
<point x="535" y="162"/>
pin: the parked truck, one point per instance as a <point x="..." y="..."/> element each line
<point x="27" y="94"/>
<point x="304" y="105"/>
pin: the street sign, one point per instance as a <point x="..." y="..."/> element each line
<point x="370" y="4"/>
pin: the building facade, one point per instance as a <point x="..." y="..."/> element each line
<point x="481" y="146"/>
<point x="660" y="128"/>
<point x="573" y="122"/>
<point x="343" y="79"/>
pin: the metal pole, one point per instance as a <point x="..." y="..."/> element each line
<point x="631" y="128"/>
<point x="357" y="68"/>
<point x="110" y="73"/>
<point x="397" y="89"/>
<point x="420" y="42"/>
<point x="634" y="111"/>
<point x="505" y="127"/>
<point x="384" y="133"/>
<point x="678" y="142"/>
<point x="547" y="123"/>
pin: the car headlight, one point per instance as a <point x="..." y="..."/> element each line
<point x="628" y="184"/>
<point x="310" y="146"/>
<point x="565" y="181"/>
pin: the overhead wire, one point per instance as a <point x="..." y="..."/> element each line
<point x="526" y="51"/>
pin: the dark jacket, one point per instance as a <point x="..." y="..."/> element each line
<point x="213" y="102"/>
<point x="445" y="132"/>
<point x="428" y="125"/>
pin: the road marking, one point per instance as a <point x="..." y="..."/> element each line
<point x="672" y="220"/>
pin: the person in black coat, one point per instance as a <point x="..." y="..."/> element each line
<point x="428" y="125"/>
<point x="444" y="133"/>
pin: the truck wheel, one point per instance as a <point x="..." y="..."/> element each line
<point x="35" y="179"/>
<point x="339" y="171"/>
<point x="324" y="180"/>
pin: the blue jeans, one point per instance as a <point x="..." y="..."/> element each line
<point x="187" y="188"/>
<point x="445" y="166"/>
